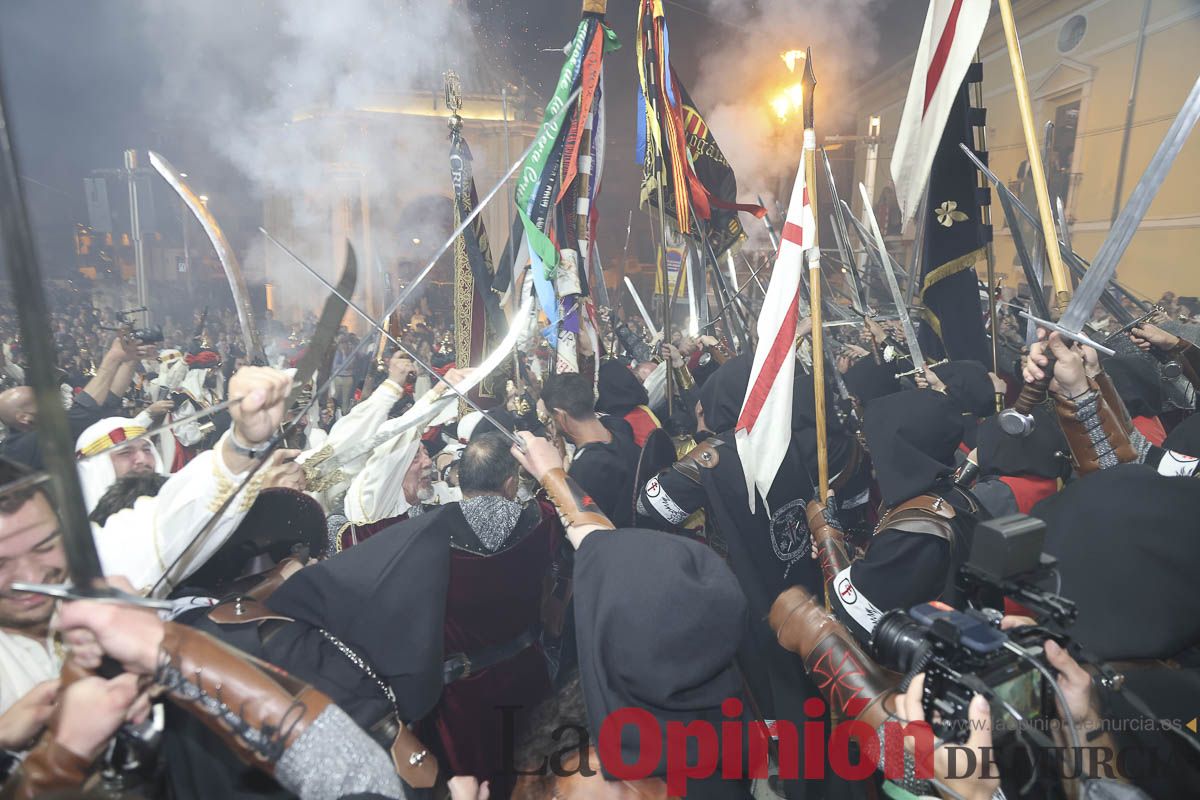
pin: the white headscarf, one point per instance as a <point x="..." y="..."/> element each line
<point x="97" y="474"/>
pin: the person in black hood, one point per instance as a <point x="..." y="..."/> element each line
<point x="867" y="380"/>
<point x="767" y="548"/>
<point x="925" y="528"/>
<point x="622" y="395"/>
<point x="1129" y="526"/>
<point x="1185" y="437"/>
<point x="969" y="386"/>
<point x="1015" y="473"/>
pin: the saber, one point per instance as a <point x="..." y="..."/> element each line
<point x="516" y="440"/>
<point x="910" y="333"/>
<point x="841" y="235"/>
<point x="225" y="254"/>
<point x="637" y="301"/>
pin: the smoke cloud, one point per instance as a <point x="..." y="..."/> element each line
<point x="290" y="92"/>
<point x="744" y="71"/>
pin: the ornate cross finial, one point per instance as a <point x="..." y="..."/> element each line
<point x="453" y="98"/>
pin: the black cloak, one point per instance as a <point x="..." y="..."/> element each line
<point x="680" y="671"/>
<point x="1042" y="454"/>
<point x="968" y="387"/>
<point x="1128" y="556"/>
<point x="867" y="380"/>
<point x="1185" y="437"/>
<point x="913" y="437"/>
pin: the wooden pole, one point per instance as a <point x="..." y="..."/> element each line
<point x="1058" y="272"/>
<point x="814" y="281"/>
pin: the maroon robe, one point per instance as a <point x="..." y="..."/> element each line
<point x="492" y="600"/>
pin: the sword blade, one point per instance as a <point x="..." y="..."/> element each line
<point x="901" y="308"/>
<point x="841" y="236"/>
<point x="327" y="324"/>
<point x="225" y="254"/>
<point x="1104" y="266"/>
<point x="413" y="356"/>
<point x="54" y="434"/>
<point x="637" y="301"/>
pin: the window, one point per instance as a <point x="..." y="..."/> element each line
<point x="1072" y="33"/>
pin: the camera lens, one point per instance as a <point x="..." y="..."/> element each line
<point x="896" y="640"/>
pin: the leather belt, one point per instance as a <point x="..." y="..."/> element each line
<point x="463" y="665"/>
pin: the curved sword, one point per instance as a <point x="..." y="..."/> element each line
<point x="233" y="270"/>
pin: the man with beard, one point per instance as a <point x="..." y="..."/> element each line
<point x="105" y="455"/>
<point x="139" y="544"/>
<point x="926" y="522"/>
<point x="767" y="549"/>
<point x="606" y="456"/>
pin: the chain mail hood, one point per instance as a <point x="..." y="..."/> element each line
<point x="492" y="517"/>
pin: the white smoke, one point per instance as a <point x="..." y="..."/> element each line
<point x="284" y="89"/>
<point x="742" y="73"/>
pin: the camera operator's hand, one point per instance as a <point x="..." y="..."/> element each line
<point x="980" y="783"/>
<point x="1076" y="685"/>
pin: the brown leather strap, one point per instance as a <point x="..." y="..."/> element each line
<point x="829" y="541"/>
<point x="703" y="456"/>
<point x="256" y="709"/>
<point x="926" y="513"/>
<point x="855" y="686"/>
<point x="1115" y="425"/>
<point x="575" y="507"/>
<point x="239" y="610"/>
<point x="48" y="768"/>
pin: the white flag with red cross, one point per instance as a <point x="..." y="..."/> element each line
<point x="764" y="427"/>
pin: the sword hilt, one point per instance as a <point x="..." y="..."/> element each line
<point x="1018" y="420"/>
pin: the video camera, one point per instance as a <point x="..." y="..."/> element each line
<point x="149" y="335"/>
<point x="965" y="652"/>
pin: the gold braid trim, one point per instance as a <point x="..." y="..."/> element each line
<point x="312" y="466"/>
<point x="946" y="270"/>
<point x="464" y="301"/>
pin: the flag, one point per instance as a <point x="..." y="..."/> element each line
<point x="767" y="407"/>
<point x="560" y="182"/>
<point x="955" y="240"/>
<point x="951" y="36"/>
<point x="478" y="320"/>
<point x="676" y="148"/>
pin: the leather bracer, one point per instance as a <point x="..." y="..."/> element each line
<point x="256" y="709"/>
<point x="48" y="768"/>
<point x="575" y="507"/>
<point x="1097" y="427"/>
<point x="703" y="456"/>
<point x="854" y="685"/>
<point x="829" y="541"/>
<point x="1189" y="360"/>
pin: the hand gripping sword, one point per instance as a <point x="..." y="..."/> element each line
<point x="1018" y="421"/>
<point x="910" y="334"/>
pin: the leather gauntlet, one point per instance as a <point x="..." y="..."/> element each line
<point x="1097" y="427"/>
<point x="257" y="710"/>
<point x="829" y="541"/>
<point x="49" y="767"/>
<point x="1189" y="360"/>
<point x="855" y="686"/>
<point x="575" y="507"/>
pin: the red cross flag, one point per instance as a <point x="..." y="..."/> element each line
<point x="764" y="426"/>
<point x="952" y="32"/>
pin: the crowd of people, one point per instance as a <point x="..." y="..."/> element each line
<point x="408" y="597"/>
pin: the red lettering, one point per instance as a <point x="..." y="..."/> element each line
<point x="678" y="768"/>
<point x="731" y="740"/>
<point x="839" y="750"/>
<point x="759" y="767"/>
<point x="649" y="744"/>
<point x="789" y="748"/>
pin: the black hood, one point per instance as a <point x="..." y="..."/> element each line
<point x="678" y="669"/>
<point x="969" y="387"/>
<point x="913" y="437"/>
<point x="620" y="390"/>
<point x="1042" y="454"/>
<point x="1128" y="557"/>
<point x="1136" y="381"/>
<point x="1185" y="437"/>
<point x="386" y="599"/>
<point x="722" y="394"/>
<point x="868" y="381"/>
